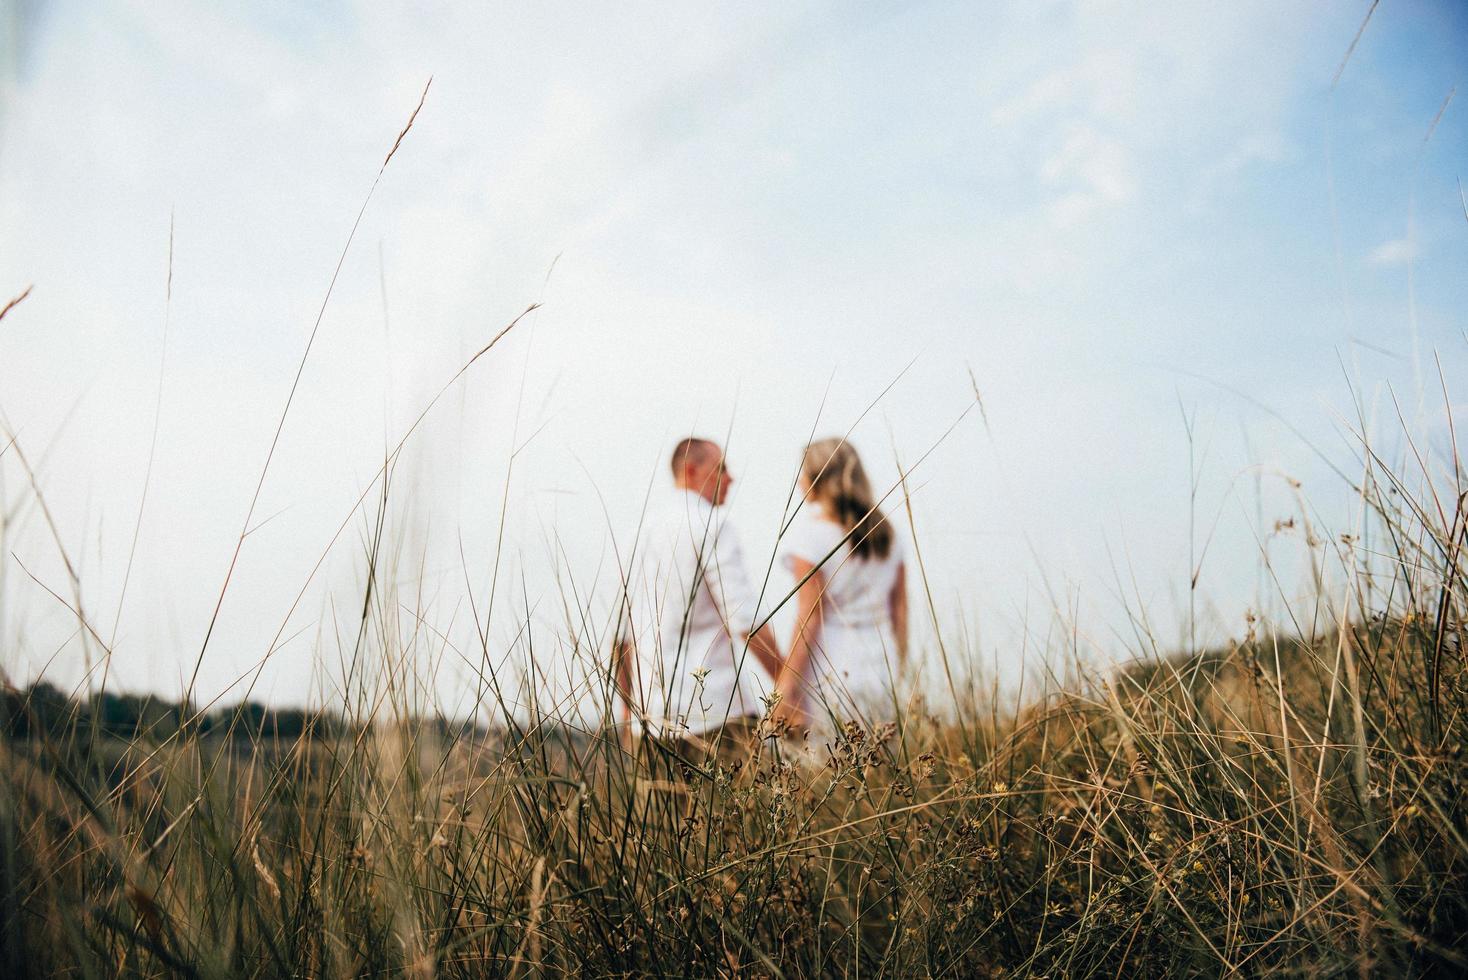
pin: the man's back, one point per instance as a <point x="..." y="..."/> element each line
<point x="690" y="604"/>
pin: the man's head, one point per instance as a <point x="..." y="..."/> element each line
<point x="698" y="466"/>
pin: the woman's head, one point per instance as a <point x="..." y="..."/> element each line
<point x="832" y="475"/>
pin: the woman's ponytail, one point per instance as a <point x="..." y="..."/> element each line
<point x="838" y="480"/>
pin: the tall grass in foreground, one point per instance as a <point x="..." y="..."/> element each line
<point x="1293" y="803"/>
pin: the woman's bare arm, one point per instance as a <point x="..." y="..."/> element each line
<point x="897" y="607"/>
<point x="762" y="644"/>
<point x="807" y="628"/>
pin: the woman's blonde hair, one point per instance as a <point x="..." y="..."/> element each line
<point x="838" y="480"/>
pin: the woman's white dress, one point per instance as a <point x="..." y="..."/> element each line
<point x="853" y="670"/>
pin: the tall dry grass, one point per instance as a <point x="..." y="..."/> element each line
<point x="1293" y="803"/>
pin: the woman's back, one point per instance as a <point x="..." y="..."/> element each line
<point x="856" y="589"/>
<point x="855" y="660"/>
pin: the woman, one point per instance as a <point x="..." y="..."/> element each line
<point x="850" y="639"/>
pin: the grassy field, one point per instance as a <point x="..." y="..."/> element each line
<point x="1291" y="804"/>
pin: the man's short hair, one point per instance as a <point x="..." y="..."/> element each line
<point x="692" y="449"/>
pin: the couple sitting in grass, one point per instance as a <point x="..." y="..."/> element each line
<point x="697" y="662"/>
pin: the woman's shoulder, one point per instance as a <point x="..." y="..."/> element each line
<point x="897" y="551"/>
<point x="810" y="537"/>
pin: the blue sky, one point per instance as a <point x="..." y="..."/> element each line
<point x="1112" y="214"/>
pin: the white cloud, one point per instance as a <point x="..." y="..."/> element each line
<point x="1255" y="149"/>
<point x="1398" y="251"/>
<point x="1050" y="91"/>
<point x="744" y="203"/>
<point x="1100" y="166"/>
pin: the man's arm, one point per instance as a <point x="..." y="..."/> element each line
<point x="729" y="585"/>
<point x="622" y="654"/>
<point x="622" y="675"/>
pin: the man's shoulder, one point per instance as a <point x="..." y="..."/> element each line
<point x="675" y="519"/>
<point x="680" y="509"/>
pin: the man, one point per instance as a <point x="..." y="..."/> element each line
<point x="691" y="666"/>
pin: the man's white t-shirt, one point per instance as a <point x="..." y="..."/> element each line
<point x="690" y="604"/>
